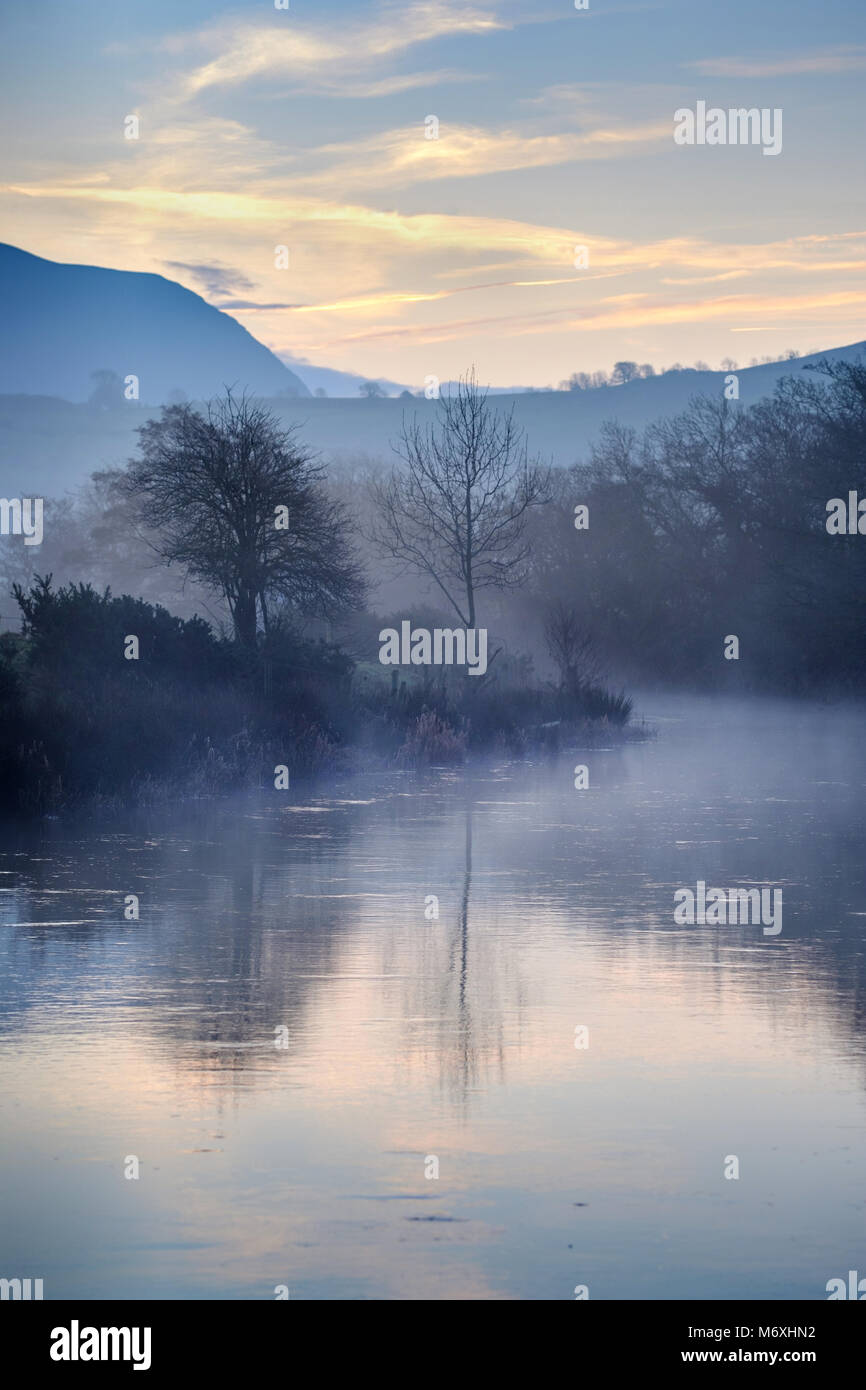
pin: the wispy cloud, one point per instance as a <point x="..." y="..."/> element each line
<point x="215" y="280"/>
<point x="253" y="306"/>
<point x="315" y="56"/>
<point x="624" y="317"/>
<point x="350" y="88"/>
<point x="421" y="234"/>
<point x="402" y="157"/>
<point x="389" y="299"/>
<point x="835" y="60"/>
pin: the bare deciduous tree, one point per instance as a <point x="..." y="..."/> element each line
<point x="571" y="646"/>
<point x="457" y="511"/>
<point x="212" y="487"/>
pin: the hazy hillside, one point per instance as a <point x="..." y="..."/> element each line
<point x="49" y="445"/>
<point x="561" y="425"/>
<point x="62" y="322"/>
<point x="336" y="383"/>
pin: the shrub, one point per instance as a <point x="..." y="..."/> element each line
<point x="430" y="740"/>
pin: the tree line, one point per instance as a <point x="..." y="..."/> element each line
<point x="714" y="522"/>
<point x="707" y="523"/>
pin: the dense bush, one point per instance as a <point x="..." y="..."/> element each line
<point x="191" y="715"/>
<point x="76" y="634"/>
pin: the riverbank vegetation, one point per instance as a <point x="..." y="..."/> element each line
<point x="116" y="698"/>
<point x="196" y="713"/>
<point x="635" y="567"/>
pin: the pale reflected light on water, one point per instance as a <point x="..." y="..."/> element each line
<point x="454" y="1038"/>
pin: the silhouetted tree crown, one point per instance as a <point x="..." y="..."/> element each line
<point x="235" y="499"/>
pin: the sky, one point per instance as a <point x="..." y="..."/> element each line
<point x="409" y="256"/>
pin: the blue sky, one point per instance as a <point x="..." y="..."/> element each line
<point x="409" y="256"/>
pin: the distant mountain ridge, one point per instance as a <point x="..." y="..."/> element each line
<point x="62" y="323"/>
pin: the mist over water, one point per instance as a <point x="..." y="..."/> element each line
<point x="455" y="1038"/>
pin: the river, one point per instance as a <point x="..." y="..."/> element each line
<point x="290" y="1077"/>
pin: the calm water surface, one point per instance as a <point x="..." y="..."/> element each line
<point x="410" y="1038"/>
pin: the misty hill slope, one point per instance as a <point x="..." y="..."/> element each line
<point x="560" y="425"/>
<point x="63" y="322"/>
<point x="48" y="446"/>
